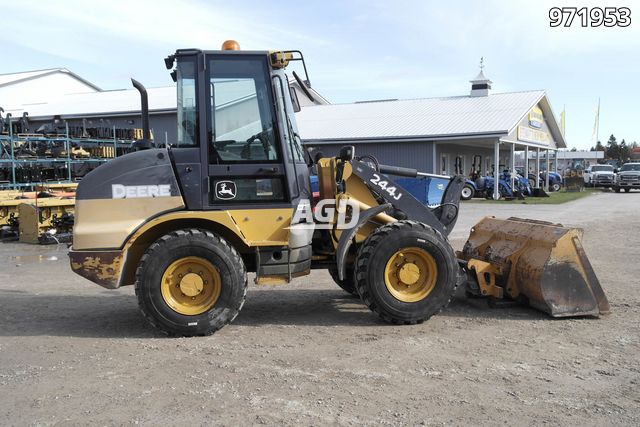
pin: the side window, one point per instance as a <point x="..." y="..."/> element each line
<point x="187" y="103"/>
<point x="244" y="128"/>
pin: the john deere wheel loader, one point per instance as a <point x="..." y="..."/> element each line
<point x="231" y="195"/>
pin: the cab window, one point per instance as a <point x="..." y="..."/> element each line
<point x="243" y="128"/>
<point x="187" y="105"/>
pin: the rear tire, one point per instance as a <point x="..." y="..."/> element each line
<point x="467" y="192"/>
<point x="348" y="284"/>
<point x="626" y="190"/>
<point x="190" y="282"/>
<point x="400" y="253"/>
<point x="555" y="187"/>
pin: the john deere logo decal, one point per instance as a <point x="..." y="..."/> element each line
<point x="225" y="190"/>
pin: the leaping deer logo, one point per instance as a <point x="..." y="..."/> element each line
<point x="226" y="190"/>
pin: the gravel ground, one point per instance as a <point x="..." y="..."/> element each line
<point x="306" y="353"/>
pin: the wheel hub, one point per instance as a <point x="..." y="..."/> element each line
<point x="191" y="284"/>
<point x="411" y="274"/>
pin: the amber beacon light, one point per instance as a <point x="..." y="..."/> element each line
<point x="230" y="45"/>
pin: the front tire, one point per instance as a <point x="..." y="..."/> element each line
<point x="467" y="192"/>
<point x="555" y="187"/>
<point x="406" y="272"/>
<point x="191" y="282"/>
<point x="626" y="190"/>
<point x="616" y="189"/>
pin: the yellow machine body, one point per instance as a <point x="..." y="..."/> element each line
<point x="129" y="235"/>
<point x="541" y="263"/>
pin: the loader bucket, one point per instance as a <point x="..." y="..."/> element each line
<point x="540" y="263"/>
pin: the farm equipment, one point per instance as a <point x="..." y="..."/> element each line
<point x="49" y="220"/>
<point x="185" y="224"/>
<point x="37" y="217"/>
<point x="483" y="186"/>
<point x="555" y="181"/>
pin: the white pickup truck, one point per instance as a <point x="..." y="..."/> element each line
<point x="599" y="176"/>
<point x="628" y="178"/>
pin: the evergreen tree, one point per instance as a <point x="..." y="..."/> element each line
<point x="613" y="149"/>
<point x="599" y="146"/>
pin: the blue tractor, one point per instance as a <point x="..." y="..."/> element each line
<point x="483" y="187"/>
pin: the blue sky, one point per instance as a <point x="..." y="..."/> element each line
<point x="355" y="50"/>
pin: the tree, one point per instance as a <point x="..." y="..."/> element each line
<point x="613" y="149"/>
<point x="599" y="146"/>
<point x="574" y="149"/>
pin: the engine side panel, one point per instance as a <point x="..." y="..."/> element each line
<point x="116" y="198"/>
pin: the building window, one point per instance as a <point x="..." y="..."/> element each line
<point x="444" y="164"/>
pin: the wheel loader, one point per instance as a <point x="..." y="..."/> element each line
<point x="185" y="223"/>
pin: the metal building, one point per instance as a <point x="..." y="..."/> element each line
<point x="440" y="135"/>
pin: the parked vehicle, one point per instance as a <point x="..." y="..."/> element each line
<point x="521" y="183"/>
<point x="599" y="176"/>
<point x="468" y="191"/>
<point x="627" y="178"/>
<point x="555" y="180"/>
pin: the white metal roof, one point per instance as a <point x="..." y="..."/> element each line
<point x="11" y="78"/>
<point x="99" y="103"/>
<point x="125" y="101"/>
<point x="418" y="118"/>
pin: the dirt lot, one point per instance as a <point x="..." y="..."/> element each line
<point x="73" y="353"/>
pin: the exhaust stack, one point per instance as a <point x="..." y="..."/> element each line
<point x="146" y="141"/>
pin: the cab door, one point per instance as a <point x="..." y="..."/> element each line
<point x="245" y="165"/>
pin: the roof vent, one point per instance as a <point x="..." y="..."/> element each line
<point x="481" y="85"/>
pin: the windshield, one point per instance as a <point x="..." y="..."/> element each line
<point x="630" y="167"/>
<point x="603" y="168"/>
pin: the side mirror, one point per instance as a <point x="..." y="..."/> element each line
<point x="346" y="153"/>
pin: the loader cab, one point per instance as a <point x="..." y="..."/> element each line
<point x="237" y="141"/>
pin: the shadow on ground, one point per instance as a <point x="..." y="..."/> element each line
<point x="110" y="315"/>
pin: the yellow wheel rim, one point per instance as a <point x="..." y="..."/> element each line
<point x="411" y="274"/>
<point x="191" y="285"/>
